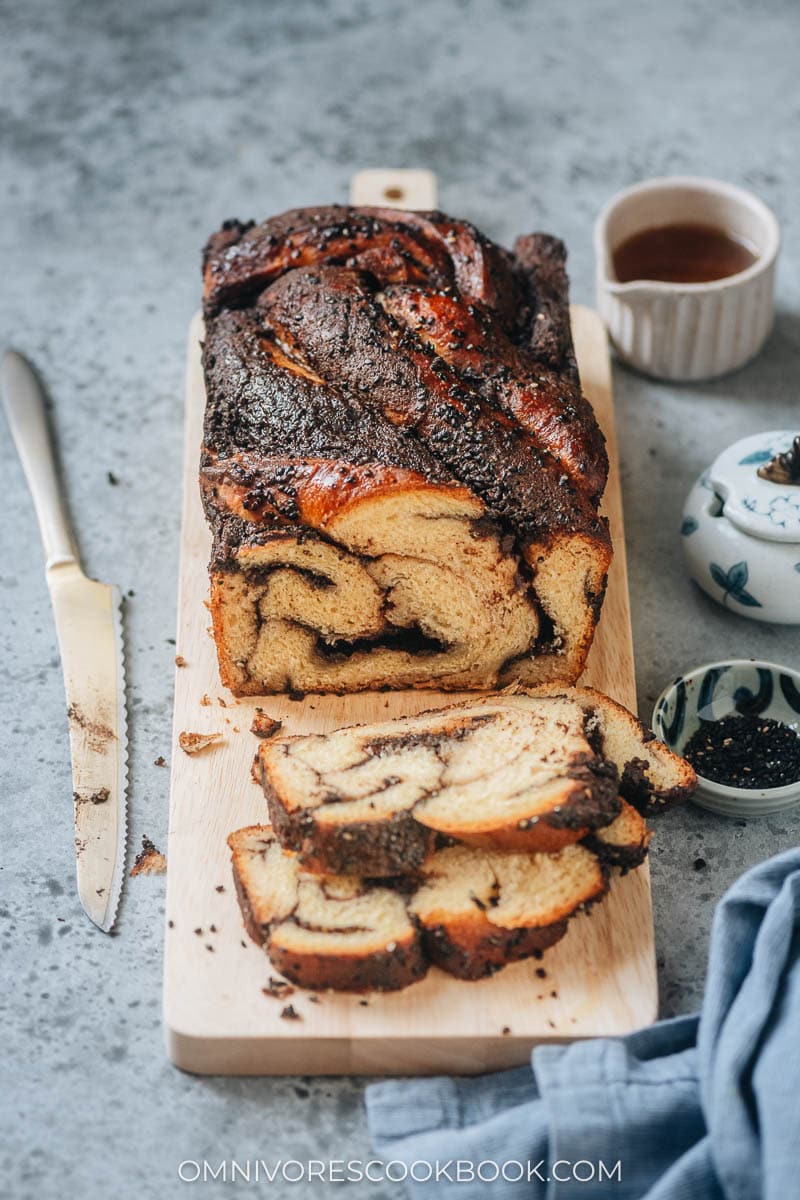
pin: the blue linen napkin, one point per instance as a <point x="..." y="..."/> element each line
<point x="694" y="1108"/>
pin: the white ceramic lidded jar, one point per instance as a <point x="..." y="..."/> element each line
<point x="691" y="330"/>
<point x="741" y="528"/>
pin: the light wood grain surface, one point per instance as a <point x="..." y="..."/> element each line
<point x="599" y="980"/>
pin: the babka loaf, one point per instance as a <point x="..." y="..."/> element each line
<point x="512" y="771"/>
<point x="468" y="911"/>
<point x="399" y="468"/>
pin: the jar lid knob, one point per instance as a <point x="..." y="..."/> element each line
<point x="758" y="480"/>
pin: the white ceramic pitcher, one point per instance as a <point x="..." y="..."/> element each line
<point x="687" y="330"/>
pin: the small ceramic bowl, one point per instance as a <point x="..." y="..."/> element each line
<point x="685" y="331"/>
<point x="714" y="691"/>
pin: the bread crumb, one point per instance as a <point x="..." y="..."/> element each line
<point x="263" y="725"/>
<point x="149" y="860"/>
<point x="506" y="1030"/>
<point x="98" y="797"/>
<point x="278" y="989"/>
<point x="193" y="743"/>
<point x="160" y="761"/>
<point x="180" y="661"/>
<point x="290" y="1013"/>
<point x="221" y="702"/>
<point x="205" y="700"/>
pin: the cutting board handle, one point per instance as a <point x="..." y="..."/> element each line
<point x="399" y="188"/>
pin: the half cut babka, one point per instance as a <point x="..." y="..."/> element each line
<point x="399" y="467"/>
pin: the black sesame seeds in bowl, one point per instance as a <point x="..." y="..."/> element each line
<point x="738" y="724"/>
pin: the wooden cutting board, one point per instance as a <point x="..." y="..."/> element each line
<point x="600" y="980"/>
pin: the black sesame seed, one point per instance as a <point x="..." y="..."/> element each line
<point x="745" y="751"/>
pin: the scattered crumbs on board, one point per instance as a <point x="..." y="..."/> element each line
<point x="194" y="743"/>
<point x="278" y="989"/>
<point x="149" y="860"/>
<point x="263" y="725"/>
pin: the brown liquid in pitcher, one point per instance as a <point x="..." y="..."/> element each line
<point x="688" y="253"/>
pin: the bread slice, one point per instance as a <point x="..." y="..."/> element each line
<point x="468" y="911"/>
<point x="624" y="842"/>
<point x="525" y="771"/>
<point x="651" y="777"/>
<point x="323" y="931"/>
<point x="483" y="909"/>
<point x="503" y="773"/>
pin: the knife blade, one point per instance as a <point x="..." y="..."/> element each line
<point x="88" y="620"/>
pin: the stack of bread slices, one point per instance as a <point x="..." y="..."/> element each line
<point x="465" y="837"/>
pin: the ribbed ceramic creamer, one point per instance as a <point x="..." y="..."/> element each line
<point x="684" y="331"/>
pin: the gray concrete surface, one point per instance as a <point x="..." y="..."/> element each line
<point x="129" y="132"/>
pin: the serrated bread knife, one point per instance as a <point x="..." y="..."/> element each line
<point x="89" y="626"/>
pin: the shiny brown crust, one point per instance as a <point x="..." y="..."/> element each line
<point x="352" y="354"/>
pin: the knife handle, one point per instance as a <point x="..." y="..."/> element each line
<point x="24" y="402"/>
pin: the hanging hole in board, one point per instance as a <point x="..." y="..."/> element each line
<point x="393" y="193"/>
